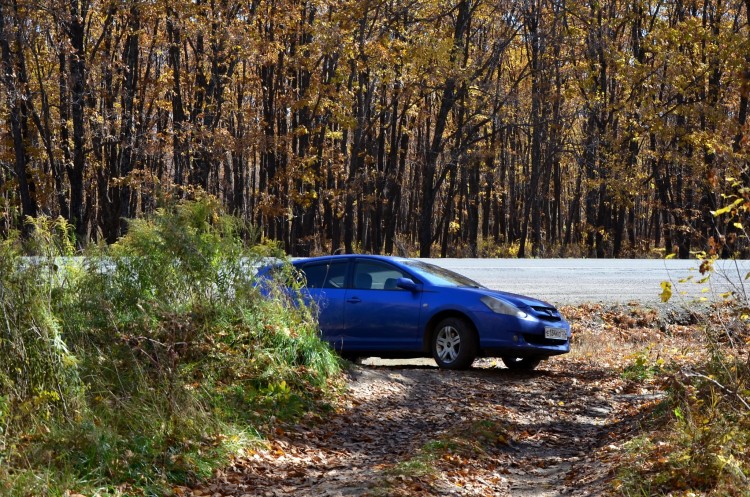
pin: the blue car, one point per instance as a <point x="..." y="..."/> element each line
<point x="395" y="307"/>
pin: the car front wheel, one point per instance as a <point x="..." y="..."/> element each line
<point x="453" y="344"/>
<point x="521" y="363"/>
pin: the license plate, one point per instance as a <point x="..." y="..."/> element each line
<point x="555" y="333"/>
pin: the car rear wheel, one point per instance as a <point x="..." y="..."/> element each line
<point x="453" y="344"/>
<point x="521" y="363"/>
<point x="355" y="358"/>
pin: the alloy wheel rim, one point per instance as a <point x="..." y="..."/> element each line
<point x="448" y="344"/>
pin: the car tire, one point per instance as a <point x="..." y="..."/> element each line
<point x="521" y="363"/>
<point x="355" y="358"/>
<point x="454" y="344"/>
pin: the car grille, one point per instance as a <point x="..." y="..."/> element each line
<point x="547" y="313"/>
<point x="540" y="340"/>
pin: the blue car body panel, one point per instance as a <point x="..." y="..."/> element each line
<point x="389" y="321"/>
<point x="329" y="304"/>
<point x="382" y="320"/>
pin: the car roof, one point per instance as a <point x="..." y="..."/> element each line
<point x="326" y="258"/>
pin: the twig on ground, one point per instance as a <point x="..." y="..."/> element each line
<point x="690" y="374"/>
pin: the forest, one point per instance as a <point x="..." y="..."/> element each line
<point x="544" y="128"/>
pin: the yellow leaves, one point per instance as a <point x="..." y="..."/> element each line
<point x="728" y="208"/>
<point x="666" y="291"/>
<point x="334" y="135"/>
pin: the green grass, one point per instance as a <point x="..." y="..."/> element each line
<point x="151" y="364"/>
<point x="472" y="440"/>
<point x="424" y="462"/>
<point x="698" y="440"/>
<point x="641" y="367"/>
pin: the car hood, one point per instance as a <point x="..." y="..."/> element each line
<point x="514" y="298"/>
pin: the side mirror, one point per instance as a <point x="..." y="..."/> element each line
<point x="406" y="284"/>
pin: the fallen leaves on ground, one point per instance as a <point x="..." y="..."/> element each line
<point x="421" y="431"/>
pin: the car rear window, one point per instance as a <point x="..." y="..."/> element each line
<point x="325" y="275"/>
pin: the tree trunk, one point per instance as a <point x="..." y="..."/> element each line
<point x="12" y="73"/>
<point x="76" y="27"/>
<point x="447" y="101"/>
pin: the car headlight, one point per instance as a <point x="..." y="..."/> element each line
<point x="502" y="307"/>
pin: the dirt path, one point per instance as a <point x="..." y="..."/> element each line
<point x="423" y="431"/>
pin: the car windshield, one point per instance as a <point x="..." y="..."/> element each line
<point x="439" y="276"/>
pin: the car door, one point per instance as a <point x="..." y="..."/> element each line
<point x="377" y="314"/>
<point x="325" y="283"/>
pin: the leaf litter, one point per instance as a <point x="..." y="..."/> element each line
<point x="415" y="430"/>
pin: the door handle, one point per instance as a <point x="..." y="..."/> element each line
<point x="354" y="300"/>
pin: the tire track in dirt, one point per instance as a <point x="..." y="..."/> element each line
<point x="549" y="425"/>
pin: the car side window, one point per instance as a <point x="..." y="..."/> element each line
<point x="325" y="275"/>
<point x="376" y="276"/>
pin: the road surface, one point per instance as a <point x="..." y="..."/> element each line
<point x="575" y="281"/>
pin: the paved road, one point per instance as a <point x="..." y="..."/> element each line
<point x="574" y="281"/>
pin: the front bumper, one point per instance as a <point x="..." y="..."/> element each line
<point x="501" y="335"/>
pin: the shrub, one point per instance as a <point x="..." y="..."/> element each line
<point x="39" y="377"/>
<point x="164" y="347"/>
<point x="702" y="445"/>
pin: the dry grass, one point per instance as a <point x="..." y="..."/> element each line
<point x="613" y="335"/>
<point x="694" y="441"/>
